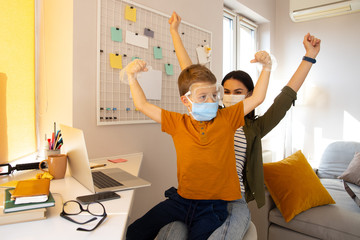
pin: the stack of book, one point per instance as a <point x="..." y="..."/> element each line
<point x="27" y="202"/>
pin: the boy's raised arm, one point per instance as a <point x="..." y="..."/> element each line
<point x="259" y="92"/>
<point x="312" y="47"/>
<point x="139" y="98"/>
<point x="181" y="54"/>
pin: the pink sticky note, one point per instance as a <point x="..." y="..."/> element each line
<point x="119" y="160"/>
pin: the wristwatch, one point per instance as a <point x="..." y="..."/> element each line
<point x="312" y="60"/>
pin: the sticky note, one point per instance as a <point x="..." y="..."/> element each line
<point x="136" y="39"/>
<point x="158" y="52"/>
<point x="148" y="32"/>
<point x="133" y="58"/>
<point x="115" y="61"/>
<point x="116" y="34"/>
<point x="130" y="13"/>
<point x="119" y="160"/>
<point x="169" y="69"/>
<point x="9" y="184"/>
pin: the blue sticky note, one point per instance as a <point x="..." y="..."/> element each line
<point x="116" y="34"/>
<point x="158" y="52"/>
<point x="133" y="58"/>
<point x="169" y="69"/>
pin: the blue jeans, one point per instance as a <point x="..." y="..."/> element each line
<point x="234" y="227"/>
<point x="201" y="217"/>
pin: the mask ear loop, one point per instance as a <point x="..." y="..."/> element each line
<point x="188" y="107"/>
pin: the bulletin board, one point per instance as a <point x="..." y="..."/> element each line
<point x="128" y="30"/>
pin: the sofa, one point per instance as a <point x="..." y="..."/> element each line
<point x="330" y="221"/>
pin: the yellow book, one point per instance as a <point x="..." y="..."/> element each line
<point x="32" y="188"/>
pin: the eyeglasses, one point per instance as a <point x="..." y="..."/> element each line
<point x="73" y="207"/>
<point x="201" y="94"/>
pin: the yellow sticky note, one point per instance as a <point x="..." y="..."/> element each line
<point x="130" y="13"/>
<point x="9" y="184"/>
<point x="115" y="61"/>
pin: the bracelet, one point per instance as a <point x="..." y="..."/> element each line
<point x="312" y="60"/>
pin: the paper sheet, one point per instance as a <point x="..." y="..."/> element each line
<point x="158" y="53"/>
<point x="116" y="34"/>
<point x="115" y="61"/>
<point x="151" y="83"/>
<point x="130" y="13"/>
<point x="137" y="40"/>
<point x="203" y="54"/>
<point x="169" y="69"/>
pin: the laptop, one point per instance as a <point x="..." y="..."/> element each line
<point x="79" y="166"/>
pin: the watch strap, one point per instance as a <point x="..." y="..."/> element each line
<point x="309" y="59"/>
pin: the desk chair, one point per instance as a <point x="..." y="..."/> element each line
<point x="251" y="233"/>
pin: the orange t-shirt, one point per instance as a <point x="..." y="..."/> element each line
<point x="206" y="166"/>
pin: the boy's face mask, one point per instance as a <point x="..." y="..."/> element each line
<point x="204" y="111"/>
<point x="205" y="101"/>
<point x="230" y="99"/>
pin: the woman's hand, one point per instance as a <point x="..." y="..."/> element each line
<point x="312" y="45"/>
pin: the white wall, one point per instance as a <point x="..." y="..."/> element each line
<point x="159" y="163"/>
<point x="327" y="109"/>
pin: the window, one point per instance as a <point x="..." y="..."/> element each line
<point x="239" y="44"/>
<point x="17" y="79"/>
<point x="229" y="38"/>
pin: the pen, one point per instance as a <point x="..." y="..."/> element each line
<point x="98" y="165"/>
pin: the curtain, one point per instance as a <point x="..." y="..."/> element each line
<point x="17" y="82"/>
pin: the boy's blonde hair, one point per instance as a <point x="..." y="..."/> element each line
<point x="193" y="74"/>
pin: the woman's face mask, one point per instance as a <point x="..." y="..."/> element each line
<point x="229" y="99"/>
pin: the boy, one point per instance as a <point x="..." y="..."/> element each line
<point x="207" y="176"/>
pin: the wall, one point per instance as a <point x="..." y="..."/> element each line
<point x="327" y="109"/>
<point x="55" y="65"/>
<point x="159" y="166"/>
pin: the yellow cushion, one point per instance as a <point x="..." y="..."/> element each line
<point x="294" y="186"/>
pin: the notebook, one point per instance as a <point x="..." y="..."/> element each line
<point x="79" y="166"/>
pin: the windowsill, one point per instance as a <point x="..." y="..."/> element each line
<point x="35" y="157"/>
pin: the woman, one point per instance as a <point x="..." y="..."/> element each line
<point x="248" y="151"/>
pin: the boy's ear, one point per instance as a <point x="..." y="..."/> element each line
<point x="185" y="101"/>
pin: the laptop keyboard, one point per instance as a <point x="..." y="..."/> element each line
<point x="101" y="180"/>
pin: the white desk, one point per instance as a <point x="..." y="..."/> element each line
<point x="55" y="227"/>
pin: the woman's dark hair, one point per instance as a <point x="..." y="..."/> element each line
<point x="244" y="78"/>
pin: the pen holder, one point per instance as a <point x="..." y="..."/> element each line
<point x="51" y="152"/>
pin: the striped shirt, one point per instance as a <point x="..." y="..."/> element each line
<point x="240" y="154"/>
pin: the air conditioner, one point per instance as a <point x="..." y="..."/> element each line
<point x="305" y="10"/>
